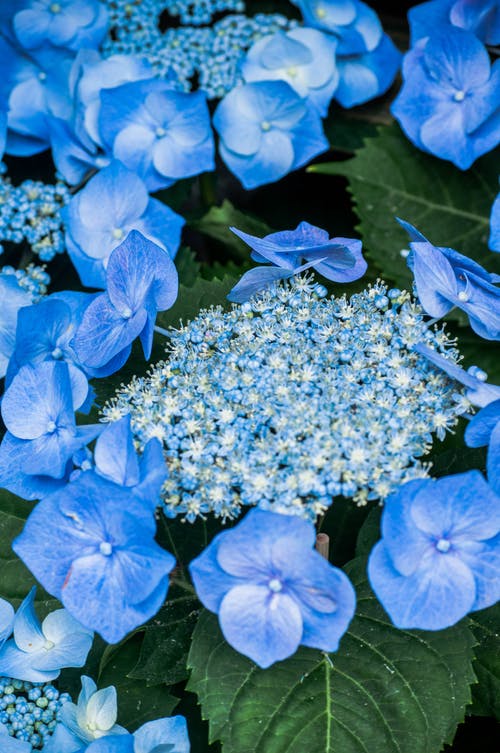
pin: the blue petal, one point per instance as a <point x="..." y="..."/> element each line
<point x="255" y="280"/>
<point x="435" y="279"/>
<point x="18" y="664"/>
<point x="481" y="426"/>
<point x="210" y="580"/>
<point x="437" y="595"/>
<point x="493" y="460"/>
<point x="6" y="620"/>
<point x="140" y="274"/>
<point x="28" y="633"/>
<point x="170" y="734"/>
<point x="111" y="744"/>
<point x="398" y="526"/>
<point x="104" y="333"/>
<point x="264" y="626"/>
<point x="115" y="455"/>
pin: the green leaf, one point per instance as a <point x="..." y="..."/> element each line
<point x="217" y="221"/>
<point x="166" y="642"/>
<point x="384" y="691"/>
<point x="369" y="533"/>
<point x="486" y="694"/>
<point x="137" y="703"/>
<point x="15" y="578"/>
<point x="188" y="268"/>
<point x="389" y="177"/>
<point x="203" y="294"/>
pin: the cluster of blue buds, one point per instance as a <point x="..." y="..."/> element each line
<point x="449" y="103"/>
<point x="31" y="213"/>
<point x="30" y="711"/>
<point x="292" y="399"/>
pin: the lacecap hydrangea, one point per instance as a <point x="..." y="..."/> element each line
<point x="292" y="399"/>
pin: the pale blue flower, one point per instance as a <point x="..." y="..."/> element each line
<point x="161" y="134"/>
<point x="106" y="569"/>
<point x="445" y="279"/>
<point x="141" y="279"/>
<point x="63" y="23"/>
<point x="439" y="557"/>
<point x="102" y="214"/>
<point x="449" y="103"/>
<point x="42" y="436"/>
<point x="38" y="652"/>
<point x="271" y="590"/>
<point x="266" y="130"/>
<point x="304" y="58"/>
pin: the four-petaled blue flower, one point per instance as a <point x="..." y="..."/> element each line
<point x="100" y="560"/>
<point x="448" y="104"/>
<point x="271" y="590"/>
<point x="445" y="279"/>
<point x="101" y="215"/>
<point x="38" y="652"/>
<point x="337" y="259"/>
<point x="141" y="279"/>
<point x="439" y="557"/>
<point x="64" y="23"/>
<point x="42" y="436"/>
<point x="159" y="133"/>
<point x="482" y="17"/>
<point x="304" y="58"/>
<point x="266" y="130"/>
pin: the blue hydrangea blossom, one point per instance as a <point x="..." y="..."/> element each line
<point x="304" y="58"/>
<point x="102" y="214"/>
<point x="65" y="23"/>
<point x="38" y="652"/>
<point x="337" y="259"/>
<point x="448" y="104"/>
<point x="91" y="718"/>
<point x="161" y="134"/>
<point x="482" y="17"/>
<point x="266" y="130"/>
<point x="439" y="556"/>
<point x="141" y="279"/>
<point x="271" y="590"/>
<point x="445" y="279"/>
<point x="42" y="436"/>
<point x="107" y="570"/>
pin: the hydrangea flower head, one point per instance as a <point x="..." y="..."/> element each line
<point x="457" y="118"/>
<point x="292" y="399"/>
<point x="337" y="259"/>
<point x="266" y="130"/>
<point x="304" y="58"/>
<point x="439" y="557"/>
<point x="102" y="563"/>
<point x="271" y="590"/>
<point x="101" y="215"/>
<point x="159" y="133"/>
<point x="63" y="23"/>
<point x="482" y="17"/>
<point x="38" y="652"/>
